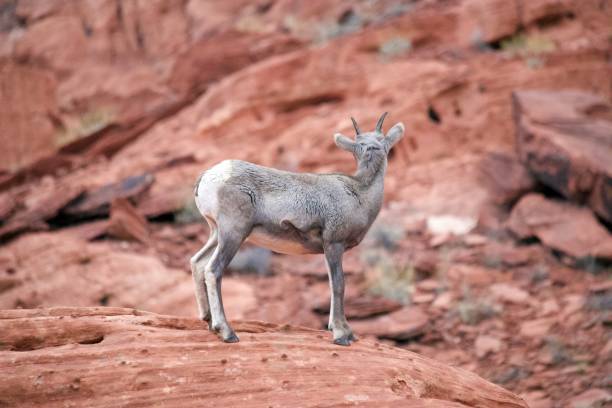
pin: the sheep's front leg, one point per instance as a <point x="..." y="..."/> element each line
<point x="343" y="334"/>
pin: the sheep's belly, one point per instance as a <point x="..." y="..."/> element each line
<point x="286" y="243"/>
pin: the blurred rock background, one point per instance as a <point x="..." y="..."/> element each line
<point x="493" y="250"/>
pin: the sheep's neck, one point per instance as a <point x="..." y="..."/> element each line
<point x="371" y="180"/>
<point x="371" y="174"/>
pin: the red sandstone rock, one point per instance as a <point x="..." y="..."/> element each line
<point x="55" y="269"/>
<point x="593" y="398"/>
<point x="175" y="361"/>
<point x="28" y="104"/>
<point x="537" y="329"/>
<point x="126" y="222"/>
<point x="98" y="201"/>
<point x="485" y="345"/>
<point x="7" y="206"/>
<point x="509" y="293"/>
<point x="361" y="306"/>
<point x="153" y="82"/>
<point x="47" y="205"/>
<point x="507" y="177"/>
<point x="403" y="324"/>
<point x="565" y="140"/>
<point x="561" y="226"/>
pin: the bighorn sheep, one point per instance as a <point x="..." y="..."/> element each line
<point x="290" y="213"/>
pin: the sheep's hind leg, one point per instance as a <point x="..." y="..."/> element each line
<point x="198" y="264"/>
<point x="343" y="335"/>
<point x="226" y="248"/>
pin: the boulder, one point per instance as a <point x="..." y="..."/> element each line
<point x="97" y="202"/>
<point x="593" y="398"/>
<point x="506" y="177"/>
<point x="485" y="345"/>
<point x="361" y="307"/>
<point x="565" y="140"/>
<point x="124" y="357"/>
<point x="509" y="293"/>
<point x="561" y="226"/>
<point x="403" y="324"/>
<point x="126" y="222"/>
<point x="47" y="204"/>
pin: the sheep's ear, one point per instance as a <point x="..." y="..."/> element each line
<point x="393" y="136"/>
<point x="344" y="143"/>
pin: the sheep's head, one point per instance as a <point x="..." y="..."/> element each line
<point x="370" y="147"/>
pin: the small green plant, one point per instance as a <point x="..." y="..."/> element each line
<point x="330" y="30"/>
<point x="599" y="301"/>
<point x="320" y="32"/>
<point x="441" y="274"/>
<point x="394" y="47"/>
<point x="252" y="260"/>
<point x="189" y="213"/>
<point x="527" y="45"/>
<point x="87" y="124"/>
<point x="492" y="260"/>
<point x="385" y="236"/>
<point x="509" y="374"/>
<point x="252" y="24"/>
<point x="593" y="265"/>
<point x="388" y="279"/>
<point x="558" y="352"/>
<point x="534" y="62"/>
<point x="472" y="310"/>
<point x="540" y="273"/>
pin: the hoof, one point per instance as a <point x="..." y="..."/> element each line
<point x="343" y="341"/>
<point x="231" y="338"/>
<point x="352" y="337"/>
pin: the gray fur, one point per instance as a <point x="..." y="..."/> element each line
<point x="292" y="213"/>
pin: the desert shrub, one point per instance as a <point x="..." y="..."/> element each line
<point x="87" y="124"/>
<point x="320" y="32"/>
<point x="252" y="260"/>
<point x="188" y="213"/>
<point x="600" y="301"/>
<point x="594" y="265"/>
<point x="557" y="350"/>
<point x="388" y="278"/>
<point x="527" y="45"/>
<point x="472" y="310"/>
<point x="252" y="23"/>
<point x="349" y="23"/>
<point x="444" y="265"/>
<point x="384" y="236"/>
<point x="394" y="47"/>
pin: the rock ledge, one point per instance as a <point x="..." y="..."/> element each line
<point x="123" y="357"/>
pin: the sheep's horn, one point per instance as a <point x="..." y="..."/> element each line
<point x="356" y="126"/>
<point x="380" y="122"/>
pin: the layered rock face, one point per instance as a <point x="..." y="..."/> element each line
<point x="565" y="139"/>
<point x="109" y="357"/>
